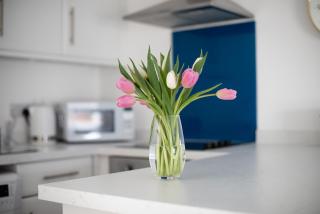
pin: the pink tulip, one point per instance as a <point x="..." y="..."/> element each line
<point x="189" y="78"/>
<point x="126" y="101"/>
<point x="125" y="85"/>
<point x="227" y="94"/>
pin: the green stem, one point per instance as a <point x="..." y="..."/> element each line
<point x="192" y="100"/>
<point x="169" y="156"/>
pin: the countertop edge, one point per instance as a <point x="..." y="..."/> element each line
<point x="72" y="151"/>
<point x="116" y="204"/>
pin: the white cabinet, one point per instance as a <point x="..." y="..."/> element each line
<point x="33" y="205"/>
<point x="32" y="25"/>
<point x="92" y="28"/>
<point x="81" y="31"/>
<point x="121" y="164"/>
<point x="33" y="174"/>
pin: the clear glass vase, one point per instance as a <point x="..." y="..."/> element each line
<point x="167" y="149"/>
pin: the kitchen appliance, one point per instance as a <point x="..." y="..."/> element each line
<point x="16" y="131"/>
<point x="181" y="13"/>
<point x="10" y="195"/>
<point x="30" y="123"/>
<point x="94" y="121"/>
<point x="42" y="123"/>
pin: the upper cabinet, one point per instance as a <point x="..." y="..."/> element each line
<point x="92" y="28"/>
<point x="33" y="25"/>
<point x="84" y="31"/>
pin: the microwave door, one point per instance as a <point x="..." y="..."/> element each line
<point x="92" y="124"/>
<point x="98" y="121"/>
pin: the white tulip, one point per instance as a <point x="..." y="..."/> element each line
<point x="171" y="80"/>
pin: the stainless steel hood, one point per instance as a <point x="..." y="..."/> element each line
<point x="182" y="13"/>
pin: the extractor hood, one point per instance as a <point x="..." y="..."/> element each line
<point x="181" y="13"/>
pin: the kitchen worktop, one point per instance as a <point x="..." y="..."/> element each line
<point x="59" y="151"/>
<point x="250" y="179"/>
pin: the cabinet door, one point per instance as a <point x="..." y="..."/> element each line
<point x="120" y="164"/>
<point x="33" y="205"/>
<point x="33" y="25"/>
<point x="91" y="28"/>
<point x="33" y="174"/>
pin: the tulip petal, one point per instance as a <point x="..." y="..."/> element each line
<point x="126" y="101"/>
<point x="226" y="94"/>
<point x="171" y="80"/>
<point x="189" y="78"/>
<point x="125" y="85"/>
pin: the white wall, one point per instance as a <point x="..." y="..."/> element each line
<point x="137" y="37"/>
<point x="288" y="70"/>
<point x="23" y="81"/>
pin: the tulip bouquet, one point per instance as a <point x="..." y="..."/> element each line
<point x="166" y="89"/>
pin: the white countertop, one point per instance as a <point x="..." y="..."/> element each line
<point x="251" y="179"/>
<point x="60" y="151"/>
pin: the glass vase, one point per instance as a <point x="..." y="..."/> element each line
<point x="167" y="148"/>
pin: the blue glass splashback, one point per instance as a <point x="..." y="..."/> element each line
<point x="231" y="61"/>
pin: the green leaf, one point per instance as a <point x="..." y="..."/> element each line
<point x="161" y="58"/>
<point x="164" y="89"/>
<point x="192" y="100"/>
<point x="144" y="67"/>
<point x="176" y="65"/>
<point x="166" y="64"/>
<point x="140" y="94"/>
<point x="151" y="128"/>
<point x="139" y="79"/>
<point x="151" y="73"/>
<point x="155" y="93"/>
<point x="178" y="73"/>
<point x="199" y="63"/>
<point x="124" y="72"/>
<point x="194" y="97"/>
<point x="181" y="69"/>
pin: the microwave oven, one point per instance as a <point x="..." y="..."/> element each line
<point x="94" y="121"/>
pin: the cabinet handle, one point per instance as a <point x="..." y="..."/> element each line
<point x="62" y="175"/>
<point x="1" y="17"/>
<point x="72" y="25"/>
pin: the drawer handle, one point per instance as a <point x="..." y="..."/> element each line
<point x="72" y="25"/>
<point x="62" y="175"/>
<point x="1" y="17"/>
